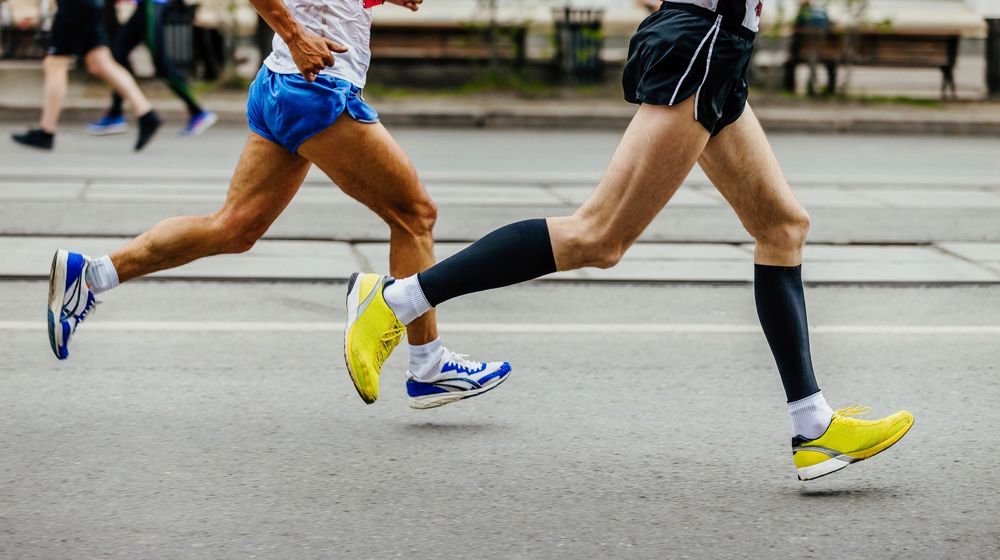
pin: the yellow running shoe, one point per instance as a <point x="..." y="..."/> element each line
<point x="847" y="440"/>
<point x="372" y="332"/>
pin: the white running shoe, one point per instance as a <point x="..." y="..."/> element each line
<point x="457" y="378"/>
<point x="70" y="299"/>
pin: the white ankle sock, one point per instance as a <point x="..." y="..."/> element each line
<point x="810" y="416"/>
<point x="101" y="275"/>
<point x="406" y="299"/>
<point x="424" y="358"/>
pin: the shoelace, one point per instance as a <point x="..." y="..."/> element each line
<point x="854" y="410"/>
<point x="462" y="360"/>
<point x="388" y="339"/>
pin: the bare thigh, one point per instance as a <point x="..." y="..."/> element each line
<point x="741" y="164"/>
<point x="365" y="161"/>
<point x="655" y="155"/>
<point x="266" y="179"/>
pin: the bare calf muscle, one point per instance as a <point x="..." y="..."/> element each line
<point x="266" y="179"/>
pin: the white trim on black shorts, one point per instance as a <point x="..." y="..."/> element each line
<point x="708" y="63"/>
<point x="712" y="30"/>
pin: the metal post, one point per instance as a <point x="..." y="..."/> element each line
<point x="993" y="56"/>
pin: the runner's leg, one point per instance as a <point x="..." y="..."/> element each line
<point x="654" y="157"/>
<point x="741" y="164"/>
<point x="101" y="64"/>
<point x="266" y="178"/>
<point x="165" y="68"/>
<point x="367" y="164"/>
<point x="656" y="153"/>
<point x="56" y="82"/>
<point x="128" y="38"/>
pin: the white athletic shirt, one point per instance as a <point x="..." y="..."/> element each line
<point x="746" y="12"/>
<point x="343" y="21"/>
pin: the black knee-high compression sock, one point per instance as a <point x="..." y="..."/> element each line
<point x="512" y="254"/>
<point x="781" y="307"/>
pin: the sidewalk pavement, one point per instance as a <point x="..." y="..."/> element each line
<point x="315" y="259"/>
<point x="334" y="261"/>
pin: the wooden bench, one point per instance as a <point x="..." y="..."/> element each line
<point x="26" y="43"/>
<point x="885" y="50"/>
<point x="447" y="42"/>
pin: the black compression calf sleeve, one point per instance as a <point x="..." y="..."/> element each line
<point x="510" y="255"/>
<point x="781" y="307"/>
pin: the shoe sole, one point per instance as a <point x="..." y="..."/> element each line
<point x="353" y="302"/>
<point x="57" y="295"/>
<point x="434" y="401"/>
<point x="201" y="128"/>
<point x="32" y="146"/>
<point x="837" y="463"/>
<point x="109" y="131"/>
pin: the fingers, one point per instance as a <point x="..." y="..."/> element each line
<point x="335" y="47"/>
<point x="317" y="55"/>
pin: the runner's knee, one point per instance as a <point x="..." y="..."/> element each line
<point x="239" y="231"/>
<point x="96" y="65"/>
<point x="590" y="244"/>
<point x="788" y="231"/>
<point x="55" y="62"/>
<point x="417" y="218"/>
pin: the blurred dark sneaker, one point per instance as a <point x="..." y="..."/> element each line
<point x="36" y="138"/>
<point x="148" y="125"/>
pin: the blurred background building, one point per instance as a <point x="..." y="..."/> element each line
<point x="890" y="48"/>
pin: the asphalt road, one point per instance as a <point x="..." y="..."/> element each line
<point x="166" y="437"/>
<point x="215" y="420"/>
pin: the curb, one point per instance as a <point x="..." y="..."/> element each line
<point x="601" y="117"/>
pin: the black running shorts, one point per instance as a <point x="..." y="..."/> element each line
<point x="683" y="50"/>
<point x="77" y="28"/>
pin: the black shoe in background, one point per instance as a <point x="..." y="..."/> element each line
<point x="36" y="138"/>
<point x="148" y="125"/>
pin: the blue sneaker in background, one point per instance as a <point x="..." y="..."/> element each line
<point x="108" y="125"/>
<point x="199" y="123"/>
<point x="70" y="299"/>
<point x="455" y="378"/>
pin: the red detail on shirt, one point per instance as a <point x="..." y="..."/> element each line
<point x="372" y="3"/>
<point x="760" y="7"/>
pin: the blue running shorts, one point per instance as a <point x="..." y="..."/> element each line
<point x="288" y="110"/>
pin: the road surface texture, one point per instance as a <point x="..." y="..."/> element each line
<point x="209" y="416"/>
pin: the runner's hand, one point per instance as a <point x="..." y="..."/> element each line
<point x="412" y="5"/>
<point x="313" y="53"/>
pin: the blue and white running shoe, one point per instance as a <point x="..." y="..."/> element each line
<point x="108" y="125"/>
<point x="70" y="299"/>
<point x="199" y="123"/>
<point x="457" y="378"/>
